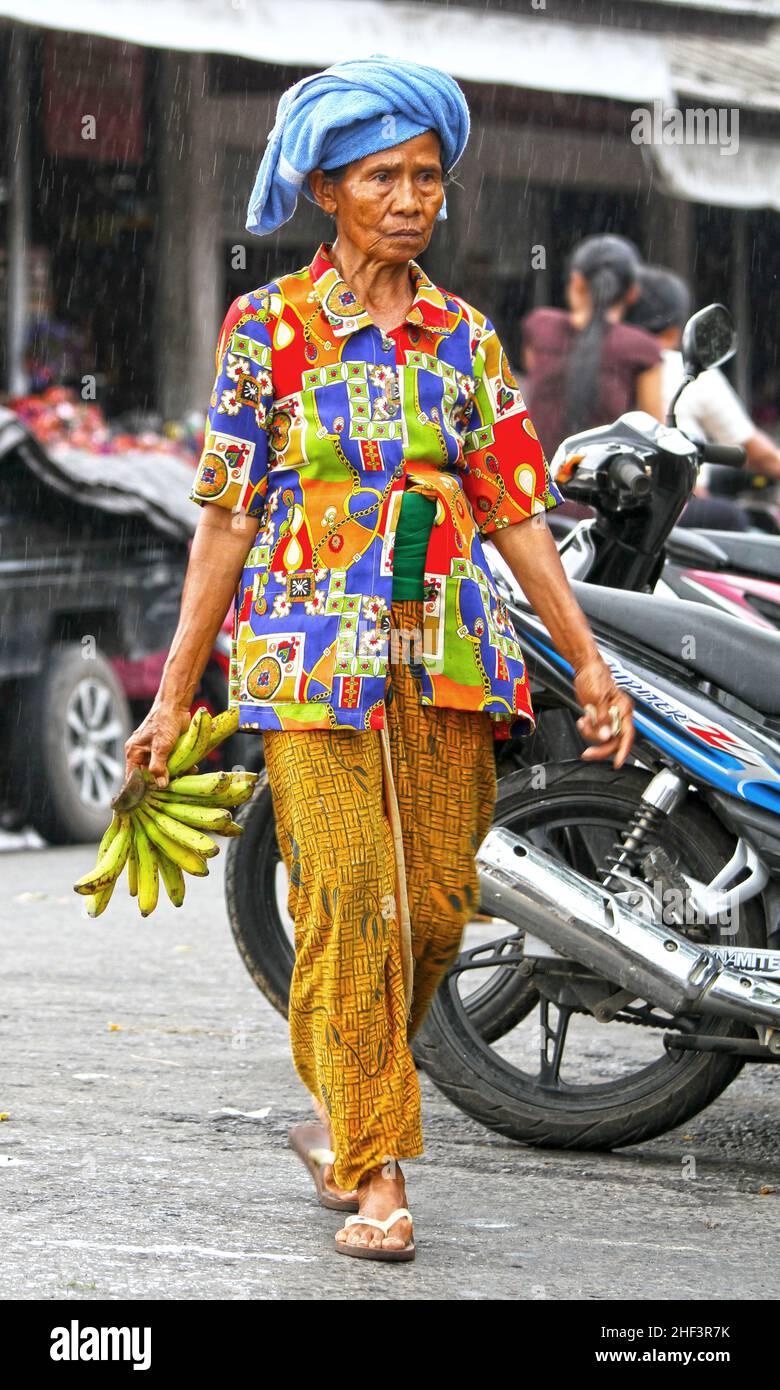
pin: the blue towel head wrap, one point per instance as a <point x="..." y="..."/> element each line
<point x="352" y="109"/>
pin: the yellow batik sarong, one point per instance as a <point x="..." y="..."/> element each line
<point x="349" y="1022"/>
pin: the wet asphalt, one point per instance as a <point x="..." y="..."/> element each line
<point x="148" y="1090"/>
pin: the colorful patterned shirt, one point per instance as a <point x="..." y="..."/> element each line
<point x="318" y="421"/>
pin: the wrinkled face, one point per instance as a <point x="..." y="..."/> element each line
<point x="386" y="203"/>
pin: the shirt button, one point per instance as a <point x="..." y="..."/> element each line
<point x="387" y="343"/>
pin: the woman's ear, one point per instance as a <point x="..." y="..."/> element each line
<point x="322" y="188"/>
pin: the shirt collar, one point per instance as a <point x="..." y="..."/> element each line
<point x="346" y="314"/>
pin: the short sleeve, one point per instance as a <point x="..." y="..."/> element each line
<point x="233" y="467"/>
<point x="530" y="327"/>
<point x="714" y="409"/>
<point x="508" y="477"/>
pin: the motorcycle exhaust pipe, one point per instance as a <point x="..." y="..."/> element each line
<point x="584" y="921"/>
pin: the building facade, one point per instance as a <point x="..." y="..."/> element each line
<point x="133" y="234"/>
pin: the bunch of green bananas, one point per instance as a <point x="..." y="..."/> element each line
<point x="163" y="834"/>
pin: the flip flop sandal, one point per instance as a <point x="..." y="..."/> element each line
<point x="377" y="1252"/>
<point x="309" y="1141"/>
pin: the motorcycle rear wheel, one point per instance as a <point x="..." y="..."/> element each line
<point x="472" y="1054"/>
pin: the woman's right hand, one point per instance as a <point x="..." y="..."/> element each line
<point x="151" y="743"/>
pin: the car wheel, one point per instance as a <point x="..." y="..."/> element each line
<point x="74" y="721"/>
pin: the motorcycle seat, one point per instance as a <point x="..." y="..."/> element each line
<point x="685" y="546"/>
<point x="742" y="660"/>
<point x="746" y="552"/>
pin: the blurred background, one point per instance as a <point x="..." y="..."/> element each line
<point x="131" y="135"/>
<point x="126" y="239"/>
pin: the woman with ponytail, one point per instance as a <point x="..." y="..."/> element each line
<point x="585" y="365"/>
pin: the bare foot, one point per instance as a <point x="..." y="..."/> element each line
<point x="379" y="1196"/>
<point x="327" y="1168"/>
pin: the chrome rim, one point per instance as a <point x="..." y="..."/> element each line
<point x="95" y="742"/>
<point x="282" y="888"/>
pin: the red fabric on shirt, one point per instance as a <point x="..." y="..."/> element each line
<point x="626" y="351"/>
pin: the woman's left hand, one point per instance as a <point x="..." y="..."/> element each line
<point x="608" y="719"/>
<point x="529" y="548"/>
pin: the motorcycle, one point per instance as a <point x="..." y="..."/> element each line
<point x="738" y="572"/>
<point x="648" y="896"/>
<point x="680" y="831"/>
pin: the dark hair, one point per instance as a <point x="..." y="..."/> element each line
<point x="610" y="265"/>
<point x="336" y="174"/>
<point x="664" y="300"/>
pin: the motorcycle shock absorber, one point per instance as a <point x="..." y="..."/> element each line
<point x="661" y="796"/>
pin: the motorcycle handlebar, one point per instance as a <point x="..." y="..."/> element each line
<point x="731" y="454"/>
<point x="629" y="475"/>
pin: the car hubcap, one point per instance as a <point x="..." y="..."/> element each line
<point x="95" y="741"/>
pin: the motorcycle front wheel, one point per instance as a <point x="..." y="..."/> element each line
<point x="508" y="1056"/>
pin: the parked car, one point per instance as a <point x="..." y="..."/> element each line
<point x="91" y="572"/>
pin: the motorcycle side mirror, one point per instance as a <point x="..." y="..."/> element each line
<point x="708" y="339"/>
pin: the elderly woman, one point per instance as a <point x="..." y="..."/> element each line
<point x="365" y="435"/>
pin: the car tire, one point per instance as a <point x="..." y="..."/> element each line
<point x="69" y="798"/>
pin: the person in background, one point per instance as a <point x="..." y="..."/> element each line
<point x="585" y="365"/>
<point x="708" y="408"/>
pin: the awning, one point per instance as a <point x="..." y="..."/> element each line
<point x="534" y="51"/>
<point x="727" y="72"/>
<point x="747" y="178"/>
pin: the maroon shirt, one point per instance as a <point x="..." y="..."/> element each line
<point x="626" y="351"/>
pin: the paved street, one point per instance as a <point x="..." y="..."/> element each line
<point x="126" y="1044"/>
